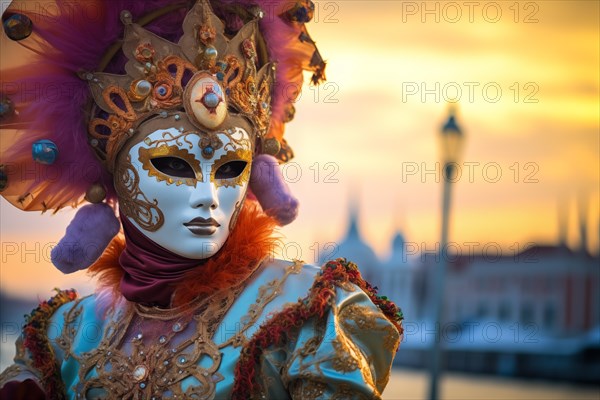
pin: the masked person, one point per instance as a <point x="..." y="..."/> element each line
<point x="172" y="114"/>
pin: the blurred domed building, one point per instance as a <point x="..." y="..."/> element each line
<point x="355" y="249"/>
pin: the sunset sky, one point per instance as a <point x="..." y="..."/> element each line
<point x="527" y="75"/>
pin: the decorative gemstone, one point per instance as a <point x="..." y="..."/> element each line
<point x="208" y="151"/>
<point x="44" y="152"/>
<point x="257" y="12"/>
<point x="271" y="146"/>
<point x="166" y="362"/>
<point x="248" y="47"/>
<point x="205" y="101"/>
<point x="211" y="100"/>
<point x="163" y="91"/>
<point x="94" y="142"/>
<point x="210" y="53"/>
<point x="95" y="194"/>
<point x="222" y="65"/>
<point x="177" y="327"/>
<point x="7" y="108"/>
<point x="139" y="336"/>
<point x="126" y="17"/>
<point x="206" y="34"/>
<point x="264" y="105"/>
<point x="252" y="88"/>
<point x="220" y="75"/>
<point x="140" y="89"/>
<point x="177" y="117"/>
<point x="17" y="27"/>
<point x="164" y="114"/>
<point x="148" y="141"/>
<point x="162" y="339"/>
<point x="182" y="360"/>
<point x="140" y="373"/>
<point x="142" y="385"/>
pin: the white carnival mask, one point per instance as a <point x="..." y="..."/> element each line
<point x="183" y="188"/>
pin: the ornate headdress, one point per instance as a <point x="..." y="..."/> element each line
<point x="83" y="91"/>
<point x="208" y="75"/>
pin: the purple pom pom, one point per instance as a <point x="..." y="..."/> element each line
<point x="87" y="236"/>
<point x="271" y="190"/>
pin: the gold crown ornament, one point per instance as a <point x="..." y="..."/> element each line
<point x="212" y="78"/>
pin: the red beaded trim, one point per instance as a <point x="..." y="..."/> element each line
<point x="35" y="339"/>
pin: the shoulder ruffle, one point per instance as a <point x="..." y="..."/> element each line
<point x="321" y="297"/>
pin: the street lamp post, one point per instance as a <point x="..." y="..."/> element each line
<point x="451" y="140"/>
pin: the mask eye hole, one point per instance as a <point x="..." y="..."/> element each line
<point x="173" y="166"/>
<point x="231" y="169"/>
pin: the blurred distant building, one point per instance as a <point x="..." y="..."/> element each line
<point x="551" y="287"/>
<point x="355" y="249"/>
<point x="523" y="312"/>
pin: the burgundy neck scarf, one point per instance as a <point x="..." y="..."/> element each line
<point x="151" y="271"/>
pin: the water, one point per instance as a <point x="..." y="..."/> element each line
<point x="407" y="384"/>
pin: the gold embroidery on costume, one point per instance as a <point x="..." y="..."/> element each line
<point x="345" y="359"/>
<point x="266" y="293"/>
<point x="344" y="392"/>
<point x="307" y="390"/>
<point x="346" y="356"/>
<point x="69" y="331"/>
<point x="138" y="358"/>
<point x="311" y="346"/>
<point x="355" y="318"/>
<point x="132" y="200"/>
<point x="367" y="320"/>
<point x="146" y="156"/>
